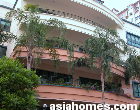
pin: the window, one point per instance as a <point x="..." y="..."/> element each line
<point x="138" y="24"/>
<point x="2" y="51"/>
<point x="89" y="81"/>
<point x="52" y="77"/>
<point x="136" y="89"/>
<point x="5" y="24"/>
<point x="133" y="40"/>
<point x="130" y="14"/>
<point x="131" y="19"/>
<point x="100" y="1"/>
<point x="138" y="17"/>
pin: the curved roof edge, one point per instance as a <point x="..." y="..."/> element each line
<point x="102" y="9"/>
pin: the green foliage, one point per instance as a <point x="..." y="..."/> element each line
<point x="132" y="67"/>
<point x="138" y="107"/>
<point x="106" y="46"/>
<point x="30" y="7"/>
<point x="6" y="36"/>
<point x="80" y="62"/>
<point x="17" y="86"/>
<point x="36" y="34"/>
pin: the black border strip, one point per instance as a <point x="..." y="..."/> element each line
<point x="131" y="23"/>
<point x="133" y="89"/>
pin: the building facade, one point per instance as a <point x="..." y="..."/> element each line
<point x="81" y="18"/>
<point x="131" y="13"/>
<point x="5" y="24"/>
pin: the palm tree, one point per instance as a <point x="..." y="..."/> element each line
<point x="106" y="46"/>
<point x="36" y="35"/>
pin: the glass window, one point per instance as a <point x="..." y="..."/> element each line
<point x="2" y="51"/>
<point x="133" y="40"/>
<point x="129" y="42"/>
<point x="89" y="81"/>
<point x="52" y="77"/>
<point x="136" y="89"/>
<point x="137" y="39"/>
<point x="128" y="36"/>
<point x="5" y="24"/>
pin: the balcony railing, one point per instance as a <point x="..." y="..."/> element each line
<point x="22" y="52"/>
<point x="71" y="16"/>
<point x="112" y="88"/>
<point x="81" y="95"/>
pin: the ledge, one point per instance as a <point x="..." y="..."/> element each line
<point x="69" y="93"/>
<point x="63" y="56"/>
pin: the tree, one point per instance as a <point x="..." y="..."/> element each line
<point x="132" y="67"/>
<point x="37" y="34"/>
<point x="106" y="46"/>
<point x="138" y="107"/>
<point x="17" y="86"/>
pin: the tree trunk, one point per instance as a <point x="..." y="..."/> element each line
<point x="29" y="60"/>
<point x="103" y="87"/>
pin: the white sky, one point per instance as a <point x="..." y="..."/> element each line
<point x="118" y="4"/>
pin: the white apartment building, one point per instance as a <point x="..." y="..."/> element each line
<point x="5" y="23"/>
<point x="81" y="18"/>
<point x="131" y="13"/>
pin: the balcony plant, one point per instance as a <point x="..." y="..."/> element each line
<point x="31" y="7"/>
<point x="80" y="62"/>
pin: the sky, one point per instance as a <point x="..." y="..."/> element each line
<point x="118" y="4"/>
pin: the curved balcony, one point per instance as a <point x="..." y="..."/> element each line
<point x="102" y="9"/>
<point x="81" y="95"/>
<point x="63" y="56"/>
<point x="85" y="11"/>
<point x="72" y="22"/>
<point x="70" y="16"/>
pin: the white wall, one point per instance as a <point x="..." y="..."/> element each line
<point x="3" y="12"/>
<point x="131" y="29"/>
<point x="134" y="30"/>
<point x="15" y="30"/>
<point x="76" y="26"/>
<point x="6" y="3"/>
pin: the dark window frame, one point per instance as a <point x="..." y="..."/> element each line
<point x="6" y="22"/>
<point x="131" y="40"/>
<point x="51" y="76"/>
<point x="1" y="46"/>
<point x="134" y="84"/>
